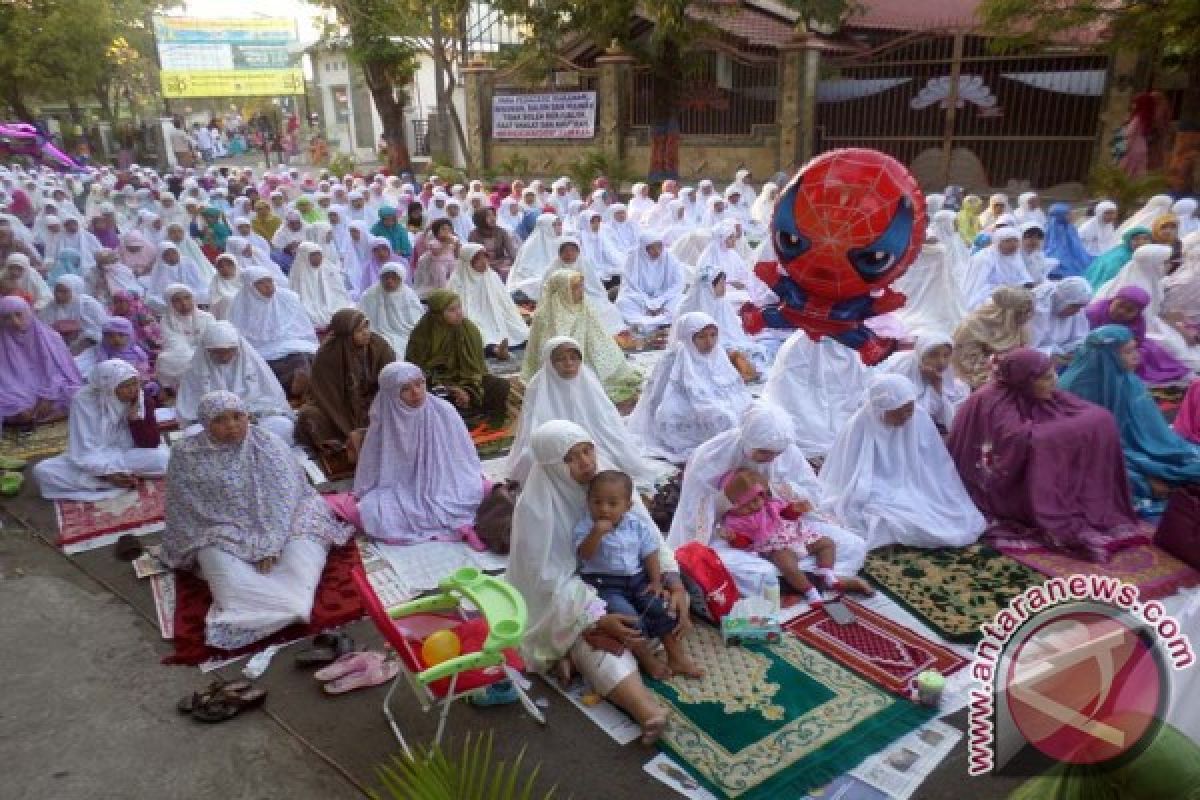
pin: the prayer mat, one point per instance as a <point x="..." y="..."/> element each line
<point x="875" y="647"/>
<point x="83" y="526"/>
<point x="494" y="442"/>
<point x="1168" y="399"/>
<point x="953" y="590"/>
<point x="337" y="603"/>
<point x="44" y="440"/>
<point x="1153" y="570"/>
<point x="775" y="720"/>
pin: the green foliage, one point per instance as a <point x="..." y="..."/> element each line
<point x="342" y="164"/>
<point x="1110" y="181"/>
<point x="448" y="173"/>
<point x="515" y="166"/>
<point x="592" y="165"/>
<point x="472" y="774"/>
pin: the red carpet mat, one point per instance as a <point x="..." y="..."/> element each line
<point x="880" y="650"/>
<point x="1154" y="571"/>
<point x="336" y="604"/>
<point x="82" y="526"/>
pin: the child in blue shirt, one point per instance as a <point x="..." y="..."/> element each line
<point x="618" y="555"/>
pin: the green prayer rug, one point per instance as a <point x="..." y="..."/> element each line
<point x="953" y="590"/>
<point x="775" y="720"/>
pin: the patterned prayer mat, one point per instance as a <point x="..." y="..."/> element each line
<point x="1168" y="399"/>
<point x="337" y="603"/>
<point x="44" y="440"/>
<point x="953" y="590"/>
<point x="1153" y="570"/>
<point x="774" y="721"/>
<point x="82" y="526"/>
<point x="875" y="647"/>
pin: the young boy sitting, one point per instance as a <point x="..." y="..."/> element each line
<point x="618" y="554"/>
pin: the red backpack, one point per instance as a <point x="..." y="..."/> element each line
<point x="710" y="585"/>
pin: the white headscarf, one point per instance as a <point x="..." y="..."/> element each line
<point x="764" y="206"/>
<point x="958" y="257"/>
<point x="221" y="291"/>
<point x="393" y="315"/>
<point x="82" y="307"/>
<point x="321" y="289"/>
<point x="534" y="258"/>
<point x="1144" y="217"/>
<point x="728" y="258"/>
<point x="247" y="376"/>
<point x="83" y="241"/>
<point x="321" y="234"/>
<point x="990" y="217"/>
<point x="237" y="246"/>
<point x="486" y="302"/>
<point x="991" y="269"/>
<point x="582" y="400"/>
<point x="1099" y="236"/>
<point x="650" y="284"/>
<point x="713" y="215"/>
<point x="30" y="282"/>
<point x="820" y="384"/>
<point x="640" y="203"/>
<point x="897" y="484"/>
<point x="593" y="286"/>
<point x="1052" y="334"/>
<point x="98" y="426"/>
<point x="461" y="222"/>
<point x="933" y="300"/>
<point x="690" y="397"/>
<point x="622" y="237"/>
<point x="189" y="248"/>
<point x="701" y="296"/>
<point x="185" y="272"/>
<point x="275" y="326"/>
<point x="542" y="564"/>
<point x="418" y="475"/>
<point x="285" y="236"/>
<point x="1181" y="289"/>
<point x="597" y="248"/>
<point x="939" y="403"/>
<point x="1025" y="212"/>
<point x="763" y="427"/>
<point x="1185" y="210"/>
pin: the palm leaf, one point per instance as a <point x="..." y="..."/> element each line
<point x="471" y="773"/>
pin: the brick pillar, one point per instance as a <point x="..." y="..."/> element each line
<point x="1118" y="94"/>
<point x="799" y="63"/>
<point x="613" y="96"/>
<point x="479" y="82"/>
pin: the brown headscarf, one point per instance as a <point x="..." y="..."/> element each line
<point x="345" y="378"/>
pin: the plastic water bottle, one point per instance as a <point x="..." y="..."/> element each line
<point x="771" y="593"/>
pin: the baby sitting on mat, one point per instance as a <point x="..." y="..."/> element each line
<point x="773" y="528"/>
<point x="618" y="554"/>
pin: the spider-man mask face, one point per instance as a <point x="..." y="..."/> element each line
<point x="850" y="221"/>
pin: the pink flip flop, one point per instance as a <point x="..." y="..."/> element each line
<point x="472" y="538"/>
<point x="349" y="663"/>
<point x="376" y="675"/>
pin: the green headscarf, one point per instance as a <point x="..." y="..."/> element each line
<point x="450" y="355"/>
<point x="1109" y="263"/>
<point x="968" y="218"/>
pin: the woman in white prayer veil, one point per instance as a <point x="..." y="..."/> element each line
<point x="998" y="264"/>
<point x="571" y="256"/>
<point x="76" y="237"/>
<point x="224" y="360"/>
<point x="658" y="218"/>
<point x="764" y="205"/>
<point x="564" y="613"/>
<point x="933" y="300"/>
<point x="746" y="193"/>
<point x="291" y="232"/>
<point x="620" y="231"/>
<point x="693" y="393"/>
<point x="566" y="388"/>
<point x="640" y="204"/>
<point x="689" y="247"/>
<point x="820" y="384"/>
<point x="1029" y="209"/>
<point x="1144" y="217"/>
<point x="392" y="306"/>
<point x="675" y="225"/>
<point x="1098" y="233"/>
<point x="1059" y="322"/>
<point x="943" y="231"/>
<point x="927" y="366"/>
<point x="509" y="216"/>
<point x="997" y="207"/>
<point x="708" y="293"/>
<point x="320" y="286"/>
<point x="102" y="460"/>
<point x="715" y="210"/>
<point x="1146" y="270"/>
<point x="182" y="327"/>
<point x="890" y="477"/>
<point x="250" y="256"/>
<point x="1181" y="289"/>
<point x="486" y="302"/>
<point x="764" y="441"/>
<point x="1185" y="211"/>
<point x="600" y="252"/>
<point x="173" y="268"/>
<point x="722" y="251"/>
<point x="225" y="285"/>
<point x="652" y="285"/>
<point x="534" y="257"/>
<point x="189" y="249"/>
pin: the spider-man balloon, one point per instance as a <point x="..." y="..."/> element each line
<point x="846" y="227"/>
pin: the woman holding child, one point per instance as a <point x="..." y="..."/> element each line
<point x="569" y="627"/>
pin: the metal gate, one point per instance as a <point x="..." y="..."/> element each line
<point x="956" y="112"/>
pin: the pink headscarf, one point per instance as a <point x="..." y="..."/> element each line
<point x="1187" y="421"/>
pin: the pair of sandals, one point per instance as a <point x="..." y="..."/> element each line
<point x="221" y="701"/>
<point x="11" y="477"/>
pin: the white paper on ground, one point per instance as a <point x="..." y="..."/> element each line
<point x="612" y="720"/>
<point x="901" y="767"/>
<point x="664" y="768"/>
<point x="420" y="567"/>
<point x="164" y="414"/>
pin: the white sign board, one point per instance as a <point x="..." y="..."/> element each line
<point x="557" y="115"/>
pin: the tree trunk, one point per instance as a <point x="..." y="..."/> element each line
<point x="666" y="88"/>
<point x="12" y="96"/>
<point x="391" y="114"/>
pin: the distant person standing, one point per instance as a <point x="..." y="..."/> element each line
<point x="204" y="142"/>
<point x="181" y="146"/>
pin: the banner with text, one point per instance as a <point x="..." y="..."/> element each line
<point x="228" y="57"/>
<point x="557" y="115"/>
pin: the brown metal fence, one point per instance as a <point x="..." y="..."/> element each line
<point x="722" y="97"/>
<point x="928" y="98"/>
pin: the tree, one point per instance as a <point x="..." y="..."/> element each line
<point x="672" y="49"/>
<point x="372" y="29"/>
<point x="1167" y="29"/>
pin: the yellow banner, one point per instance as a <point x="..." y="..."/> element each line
<point x="232" y="83"/>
